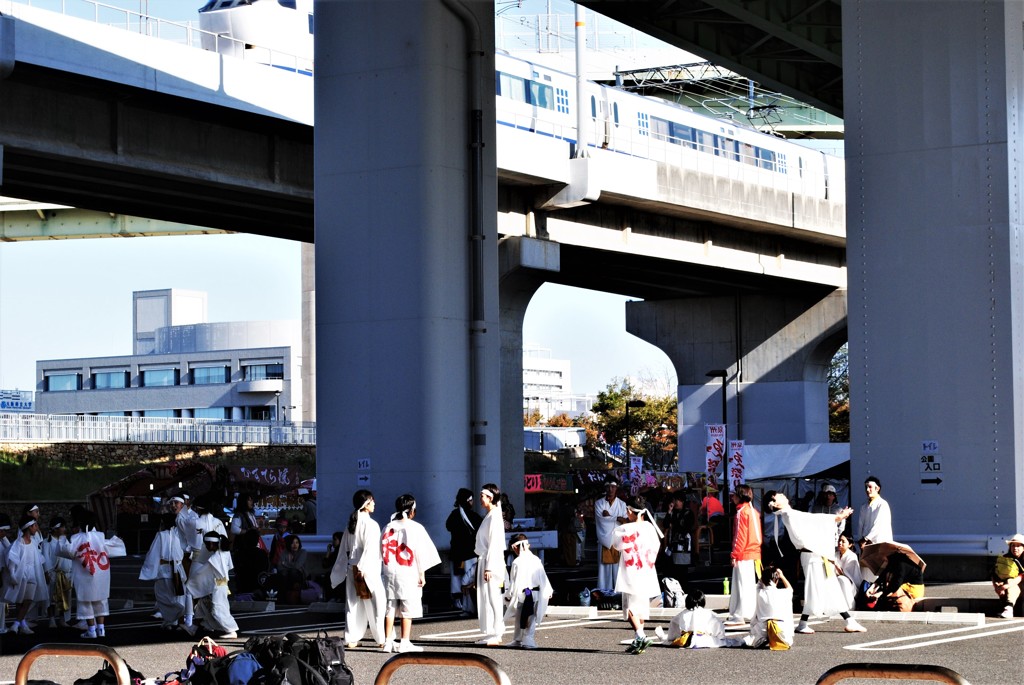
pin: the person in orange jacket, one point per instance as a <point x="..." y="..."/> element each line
<point x="746" y="557"/>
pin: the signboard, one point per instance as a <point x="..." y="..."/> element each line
<point x="714" y="446"/>
<point x="736" y="467"/>
<point x="931" y="465"/>
<point x="548" y="482"/>
<point x="17" y="401"/>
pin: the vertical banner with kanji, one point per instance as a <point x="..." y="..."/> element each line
<point x="636" y="469"/>
<point x="736" y="464"/>
<point x="715" y="448"/>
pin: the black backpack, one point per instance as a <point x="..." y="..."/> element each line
<point x="324" y="655"/>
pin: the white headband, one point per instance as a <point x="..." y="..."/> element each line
<point x="648" y="518"/>
<point x="177" y="499"/>
<point x="525" y="544"/>
<point x="28" y="524"/>
<point x="211" y="537"/>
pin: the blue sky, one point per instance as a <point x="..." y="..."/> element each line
<point x="72" y="298"/>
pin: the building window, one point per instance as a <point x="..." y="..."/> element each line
<point x="263" y="372"/>
<point x="209" y="375"/>
<point x="106" y="380"/>
<point x="155" y="378"/>
<point x="258" y="413"/>
<point x="162" y="413"/>
<point x="211" y="413"/>
<point x="63" y="382"/>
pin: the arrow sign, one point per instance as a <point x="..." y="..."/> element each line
<point x="363" y="479"/>
<point x="935" y="481"/>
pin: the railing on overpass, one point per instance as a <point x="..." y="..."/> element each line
<point x="137" y="429"/>
<point x="184" y="33"/>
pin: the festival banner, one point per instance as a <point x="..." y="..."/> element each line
<point x="714" y="445"/>
<point x="736" y="466"/>
<point x="636" y="473"/>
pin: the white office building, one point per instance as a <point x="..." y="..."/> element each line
<point x="183" y="366"/>
<point x="547" y="386"/>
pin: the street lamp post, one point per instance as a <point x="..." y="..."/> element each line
<point x="277" y="401"/>
<point x="635" y="404"/>
<point x="724" y="375"/>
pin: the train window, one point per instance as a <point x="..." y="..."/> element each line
<point x="511" y="87"/>
<point x="748" y="154"/>
<point x="767" y="159"/>
<point x="662" y="129"/>
<point x="800" y="166"/>
<point x="780" y="162"/>
<point x="705" y="141"/>
<point x="541" y="95"/>
<point x="593" y="107"/>
<point x="615" y="112"/>
<point x="290" y="4"/>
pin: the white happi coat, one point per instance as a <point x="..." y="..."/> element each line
<point x="638" y="543"/>
<point x="851" y="578"/>
<point x="206" y="523"/>
<point x="606" y="524"/>
<point x="186" y="523"/>
<point x="27" y="577"/>
<point x="166" y="547"/>
<point x="704" y="625"/>
<point x="90" y="553"/>
<point x="528" y="572"/>
<point x="406" y="553"/>
<point x="814" y="536"/>
<point x="772" y="603"/>
<point x="490" y="552"/>
<point x="210" y="584"/>
<point x="874" y="522"/>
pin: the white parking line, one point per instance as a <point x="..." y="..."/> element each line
<point x="955" y="635"/>
<point x="548" y="625"/>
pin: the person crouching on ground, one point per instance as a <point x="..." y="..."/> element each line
<point x="209" y="585"/>
<point x="527" y="592"/>
<point x="696" y="627"/>
<point x="406" y="552"/>
<point x="637" y="542"/>
<point x="772" y="626"/>
<point x="1008" y="576"/>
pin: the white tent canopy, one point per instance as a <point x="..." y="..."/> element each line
<point x="784" y="461"/>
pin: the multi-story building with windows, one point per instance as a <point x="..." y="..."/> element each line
<point x="183" y="366"/>
<point x="547" y="385"/>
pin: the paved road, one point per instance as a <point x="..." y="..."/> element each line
<point x="578" y="651"/>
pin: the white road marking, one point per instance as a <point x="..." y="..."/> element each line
<point x="954" y="635"/>
<point x="547" y="625"/>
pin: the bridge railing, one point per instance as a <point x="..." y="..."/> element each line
<point x="16" y="427"/>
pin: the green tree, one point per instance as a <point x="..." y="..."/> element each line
<point x="647" y="438"/>
<point x="839" y="396"/>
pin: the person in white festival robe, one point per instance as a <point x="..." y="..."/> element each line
<point x="186" y="526"/>
<point x="209" y="585"/>
<point x="695" y="627"/>
<point x="814" y="535"/>
<point x="848" y="566"/>
<point x="90" y="553"/>
<point x="5" y="546"/>
<point x="638" y="543"/>
<point x="162" y="564"/>
<point x="772" y="625"/>
<point x="609" y="513"/>
<point x="406" y="553"/>
<point x="360" y="556"/>
<point x="491" y="574"/>
<point x="25" y="564"/>
<point x="527" y="592"/>
<point x="206" y="523"/>
<point x="874" y="521"/>
<point x="58" y="572"/>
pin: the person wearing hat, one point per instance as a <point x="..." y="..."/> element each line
<point x="827" y="501"/>
<point x="209" y="585"/>
<point x="186" y="527"/>
<point x="609" y="513"/>
<point x="28" y="578"/>
<point x="462" y="524"/>
<point x="58" y="573"/>
<point x="1008" y="575"/>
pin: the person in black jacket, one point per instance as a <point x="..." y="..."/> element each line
<point x="462" y="523"/>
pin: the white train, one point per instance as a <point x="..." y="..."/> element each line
<point x="543" y="101"/>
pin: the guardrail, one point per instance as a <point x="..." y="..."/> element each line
<point x="939" y="674"/>
<point x="138" y="429"/>
<point x="68" y="649"/>
<point x="441" y="659"/>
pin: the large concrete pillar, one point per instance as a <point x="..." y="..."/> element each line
<point x="408" y="340"/>
<point x="776" y="352"/>
<point x="934" y="147"/>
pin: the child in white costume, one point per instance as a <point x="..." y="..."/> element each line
<point x="406" y="552"/>
<point x="527" y="592"/>
<point x="359" y="564"/>
<point x="696" y="627"/>
<point x="27" y="583"/>
<point x="90" y="553"/>
<point x="638" y="543"/>
<point x="848" y="568"/>
<point x="162" y="564"/>
<point x="209" y="585"/>
<point x="772" y="625"/>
